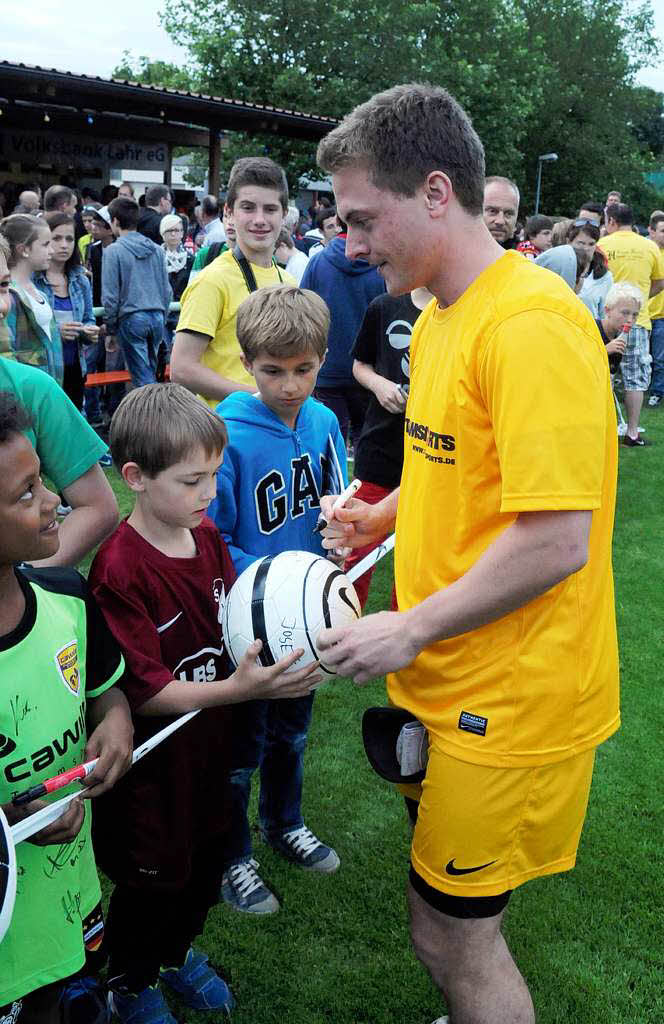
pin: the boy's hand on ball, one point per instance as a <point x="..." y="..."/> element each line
<point x="369" y="648"/>
<point x="258" y="682"/>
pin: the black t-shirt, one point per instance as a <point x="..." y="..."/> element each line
<point x="383" y="342"/>
<point x="615" y="358"/>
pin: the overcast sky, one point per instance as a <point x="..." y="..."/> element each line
<point x="71" y="36"/>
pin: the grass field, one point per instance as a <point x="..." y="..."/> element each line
<point x="589" y="942"/>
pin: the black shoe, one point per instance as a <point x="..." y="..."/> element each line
<point x="636" y="442"/>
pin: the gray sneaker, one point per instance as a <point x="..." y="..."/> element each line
<point x="244" y="889"/>
<point x="654" y="400"/>
<point x="302" y="847"/>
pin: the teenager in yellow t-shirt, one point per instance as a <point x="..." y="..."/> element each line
<point x="638" y="261"/>
<point x="656" y="314"/>
<point x="206" y="356"/>
<point x="504" y="646"/>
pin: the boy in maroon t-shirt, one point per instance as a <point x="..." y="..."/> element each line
<point x="160" y="581"/>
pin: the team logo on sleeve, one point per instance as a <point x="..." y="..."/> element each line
<point x="67" y="661"/>
<point x="219" y="595"/>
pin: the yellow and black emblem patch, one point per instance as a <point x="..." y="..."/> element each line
<point x="67" y="661"/>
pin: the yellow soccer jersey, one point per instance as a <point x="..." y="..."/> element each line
<point x="634" y="259"/>
<point x="510" y="411"/>
<point x="209" y="306"/>
<point x="656" y="304"/>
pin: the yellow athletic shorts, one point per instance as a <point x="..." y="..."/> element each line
<point x="482" y="830"/>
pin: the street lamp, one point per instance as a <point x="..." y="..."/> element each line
<point x="545" y="158"/>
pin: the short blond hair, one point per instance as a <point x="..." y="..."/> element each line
<point x="282" y="320"/>
<point x="620" y="291"/>
<point x="160" y="424"/>
<point x="168" y="221"/>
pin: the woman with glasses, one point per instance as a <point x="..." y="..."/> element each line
<point x="583" y="236"/>
<point x="179" y="262"/>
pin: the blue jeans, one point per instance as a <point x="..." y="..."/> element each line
<point x="140" y="335"/>
<point x="94" y="361"/>
<point x="657" y="350"/>
<point x="270" y="735"/>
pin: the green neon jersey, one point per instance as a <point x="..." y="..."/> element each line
<point x="59" y="655"/>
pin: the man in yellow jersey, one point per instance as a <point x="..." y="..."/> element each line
<point x="656" y="314"/>
<point x="639" y="261"/>
<point x="505" y="643"/>
<point x="206" y="356"/>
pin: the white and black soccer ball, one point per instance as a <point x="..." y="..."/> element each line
<point x="285" y="600"/>
<point x="7" y="875"/>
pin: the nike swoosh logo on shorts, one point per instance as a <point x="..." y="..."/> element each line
<point x="451" y="870"/>
<point x="162" y="629"/>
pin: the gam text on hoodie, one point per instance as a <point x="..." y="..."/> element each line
<point x="272" y="478"/>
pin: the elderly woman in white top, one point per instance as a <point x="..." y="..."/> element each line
<point x="178" y="264"/>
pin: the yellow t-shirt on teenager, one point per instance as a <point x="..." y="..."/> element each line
<point x="209" y="306"/>
<point x="634" y="259"/>
<point x="510" y="410"/>
<point x="656" y="304"/>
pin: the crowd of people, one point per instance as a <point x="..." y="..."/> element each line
<point x="57" y="287"/>
<point x="290" y="351"/>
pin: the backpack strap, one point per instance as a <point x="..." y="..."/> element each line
<point x="247" y="273"/>
<point x="214" y="249"/>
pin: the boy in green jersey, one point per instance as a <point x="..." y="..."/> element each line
<point x="58" y="664"/>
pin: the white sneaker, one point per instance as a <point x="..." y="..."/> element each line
<point x="441" y="1020"/>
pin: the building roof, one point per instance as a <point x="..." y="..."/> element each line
<point x="28" y="85"/>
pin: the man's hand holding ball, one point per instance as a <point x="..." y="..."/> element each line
<point x="375" y="644"/>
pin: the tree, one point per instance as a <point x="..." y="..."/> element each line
<point x="647" y="121"/>
<point x="327" y="60"/>
<point x="589" y="52"/>
<point x="157" y="72"/>
<point x="535" y="76"/>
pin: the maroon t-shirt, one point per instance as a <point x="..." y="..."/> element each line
<point x="165" y="614"/>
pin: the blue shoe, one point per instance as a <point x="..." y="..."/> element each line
<point x="105" y="460"/>
<point x="197" y="985"/>
<point x="302" y="847"/>
<point x="83" y="1000"/>
<point x="146" y="1007"/>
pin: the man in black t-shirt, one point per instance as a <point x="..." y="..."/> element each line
<point x="382" y="365"/>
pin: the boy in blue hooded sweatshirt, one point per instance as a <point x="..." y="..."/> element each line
<point x="285" y="450"/>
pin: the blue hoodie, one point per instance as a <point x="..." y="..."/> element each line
<point x="561" y="259"/>
<point x="348" y="286"/>
<point x="271" y="480"/>
<point x="134" y="279"/>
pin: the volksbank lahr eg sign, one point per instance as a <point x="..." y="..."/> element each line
<point x="80" y="151"/>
